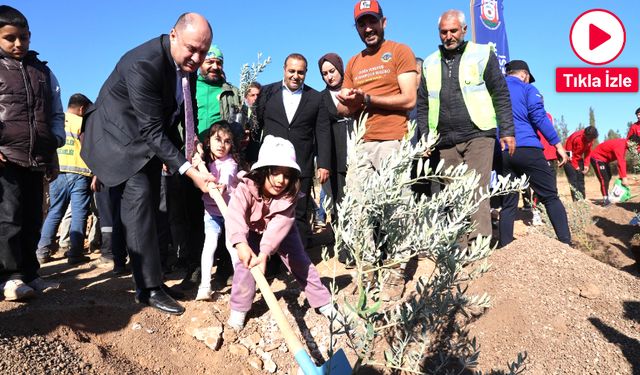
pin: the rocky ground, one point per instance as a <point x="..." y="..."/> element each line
<point x="568" y="309"/>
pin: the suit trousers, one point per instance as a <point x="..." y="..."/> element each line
<point x="21" y="193"/>
<point x="338" y="181"/>
<point x="185" y="208"/>
<point x="302" y="210"/>
<point x="139" y="201"/>
<point x="542" y="179"/>
<point x="164" y="229"/>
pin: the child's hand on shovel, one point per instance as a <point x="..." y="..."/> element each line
<point x="259" y="261"/>
<point x="245" y="254"/>
<point x="197" y="162"/>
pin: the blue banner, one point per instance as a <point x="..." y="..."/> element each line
<point x="487" y="26"/>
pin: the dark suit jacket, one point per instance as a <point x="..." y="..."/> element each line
<point x="309" y="127"/>
<point x="135" y="116"/>
<point x="340" y="126"/>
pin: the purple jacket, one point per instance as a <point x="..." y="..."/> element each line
<point x="224" y="170"/>
<point x="249" y="212"/>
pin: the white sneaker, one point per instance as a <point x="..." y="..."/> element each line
<point x="42" y="285"/>
<point x="333" y="314"/>
<point x="537" y="219"/>
<point x="236" y="320"/>
<point x="204" y="294"/>
<point x="16" y="290"/>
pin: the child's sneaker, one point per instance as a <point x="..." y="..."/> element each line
<point x="16" y="290"/>
<point x="393" y="288"/>
<point x="236" y="319"/>
<point x="204" y="294"/>
<point x="332" y="313"/>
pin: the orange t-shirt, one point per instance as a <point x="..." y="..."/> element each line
<point x="378" y="75"/>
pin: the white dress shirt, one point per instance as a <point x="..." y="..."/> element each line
<point x="291" y="100"/>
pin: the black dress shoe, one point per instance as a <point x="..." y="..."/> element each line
<point x="159" y="299"/>
<point x="172" y="293"/>
<point x="77" y="259"/>
<point x="119" y="269"/>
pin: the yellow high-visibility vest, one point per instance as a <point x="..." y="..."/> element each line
<point x="69" y="154"/>
<point x="474" y="90"/>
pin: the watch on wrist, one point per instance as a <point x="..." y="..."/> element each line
<point x="367" y="100"/>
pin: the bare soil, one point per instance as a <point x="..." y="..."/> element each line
<point x="573" y="312"/>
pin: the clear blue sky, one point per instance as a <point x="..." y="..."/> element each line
<point x="82" y="40"/>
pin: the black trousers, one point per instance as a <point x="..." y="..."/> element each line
<point x="139" y="199"/>
<point x="542" y="179"/>
<point x="603" y="172"/>
<point x="21" y="198"/>
<point x="164" y="230"/>
<point x="337" y="181"/>
<point x="426" y="187"/>
<point x="576" y="179"/>
<point x="185" y="210"/>
<point x="302" y="210"/>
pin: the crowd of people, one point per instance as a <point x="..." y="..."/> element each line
<point x="169" y="143"/>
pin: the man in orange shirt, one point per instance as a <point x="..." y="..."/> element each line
<point x="381" y="80"/>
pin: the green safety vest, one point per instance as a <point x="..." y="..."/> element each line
<point x="474" y="90"/>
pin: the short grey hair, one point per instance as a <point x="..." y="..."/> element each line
<point x="453" y="13"/>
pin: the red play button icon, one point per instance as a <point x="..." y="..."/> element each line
<point x="597" y="36"/>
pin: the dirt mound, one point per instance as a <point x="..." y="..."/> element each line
<point x="92" y="326"/>
<point x="571" y="313"/>
<point x="568" y="311"/>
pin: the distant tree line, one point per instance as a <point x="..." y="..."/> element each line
<point x="563" y="128"/>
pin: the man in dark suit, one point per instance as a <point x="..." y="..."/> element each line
<point x="291" y="110"/>
<point x="132" y="131"/>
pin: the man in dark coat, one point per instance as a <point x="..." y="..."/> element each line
<point x="291" y="110"/>
<point x="132" y="131"/>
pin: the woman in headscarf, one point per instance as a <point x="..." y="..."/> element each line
<point x="332" y="72"/>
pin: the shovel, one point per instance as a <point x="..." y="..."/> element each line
<point x="337" y="364"/>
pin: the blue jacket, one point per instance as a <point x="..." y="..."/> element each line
<point x="529" y="115"/>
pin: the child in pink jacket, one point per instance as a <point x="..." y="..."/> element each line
<point x="260" y="223"/>
<point x="221" y="159"/>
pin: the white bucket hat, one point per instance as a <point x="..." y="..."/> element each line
<point x="277" y="152"/>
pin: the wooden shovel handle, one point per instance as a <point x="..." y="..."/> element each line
<point x="214" y="193"/>
<point x="290" y="337"/>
